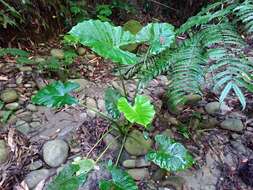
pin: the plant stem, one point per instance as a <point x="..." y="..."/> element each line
<point x="101" y="138"/>
<point x="122" y="83"/>
<point x="121" y="149"/>
<point x="101" y="114"/>
<point x="102" y="154"/>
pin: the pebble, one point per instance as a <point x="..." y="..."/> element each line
<point x="12" y="106"/>
<point x="35" y="177"/>
<point x="139" y="173"/>
<point x="35" y="124"/>
<point x="58" y="53"/>
<point x="215" y="107"/>
<point x="232" y="124"/>
<point x="9" y="95"/>
<point x="4" y="152"/>
<point x="31" y="107"/>
<point x="35" y="165"/>
<point x="136" y="144"/>
<point x="25" y="69"/>
<point x="55" y="152"/>
<point x="23" y="127"/>
<point x="81" y="51"/>
<point x="138" y="163"/>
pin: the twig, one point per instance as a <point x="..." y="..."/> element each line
<point x="161" y="4"/>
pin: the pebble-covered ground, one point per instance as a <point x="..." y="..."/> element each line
<point x="37" y="141"/>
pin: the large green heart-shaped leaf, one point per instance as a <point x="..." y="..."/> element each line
<point x="111" y="99"/>
<point x="142" y="112"/>
<point x="56" y="94"/>
<point x="120" y="181"/>
<point x="105" y="40"/>
<point x="159" y="36"/>
<point x="170" y="155"/>
<point x="72" y="176"/>
<point x="67" y="179"/>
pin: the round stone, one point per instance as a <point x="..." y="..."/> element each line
<point x="9" y="96"/>
<point x="232" y="124"/>
<point x="55" y="152"/>
<point x="12" y="106"/>
<point x="35" y="177"/>
<point x="136" y="144"/>
<point x="57" y="53"/>
<point x="81" y="51"/>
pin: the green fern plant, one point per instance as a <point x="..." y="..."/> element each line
<point x="244" y="12"/>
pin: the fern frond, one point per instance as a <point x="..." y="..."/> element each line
<point x="187" y="71"/>
<point x="229" y="68"/>
<point x="218" y="10"/>
<point x="13" y="52"/>
<point x="245" y="13"/>
<point x="222" y="34"/>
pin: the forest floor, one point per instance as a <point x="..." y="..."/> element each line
<point x="220" y="138"/>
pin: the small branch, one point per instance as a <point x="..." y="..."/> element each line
<point x="161" y="4"/>
<point x="121" y="149"/>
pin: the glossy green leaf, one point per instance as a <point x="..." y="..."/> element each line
<point x="142" y="112"/>
<point x="170" y="155"/>
<point x="159" y="36"/>
<point x="120" y="181"/>
<point x="85" y="165"/>
<point x="226" y="91"/>
<point x="111" y="99"/>
<point x="56" y="94"/>
<point x="105" y="40"/>
<point x="67" y="179"/>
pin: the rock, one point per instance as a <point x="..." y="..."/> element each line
<point x="159" y="175"/>
<point x="20" y="79"/>
<point x="139" y="173"/>
<point x="232" y="124"/>
<point x="90" y="56"/>
<point x="81" y="51"/>
<point x="91" y="103"/>
<point x="25" y="115"/>
<point x="215" y="107"/>
<point x="31" y="107"/>
<point x="34" y="177"/>
<point x="111" y="141"/>
<point x="83" y="83"/>
<point x="55" y="152"/>
<point x="193" y="99"/>
<point x="35" y="124"/>
<point x="39" y="59"/>
<point x="4" y="152"/>
<point x="23" y="127"/>
<point x="176" y="182"/>
<point x="12" y="106"/>
<point x="239" y="147"/>
<point x="136" y="163"/>
<point x="25" y="69"/>
<point x="36" y="165"/>
<point x="9" y="96"/>
<point x="57" y="53"/>
<point x="136" y="144"/>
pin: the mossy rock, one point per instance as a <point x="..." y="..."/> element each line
<point x="133" y="26"/>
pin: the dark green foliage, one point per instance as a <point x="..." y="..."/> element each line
<point x="170" y="155"/>
<point x="120" y="181"/>
<point x="13" y="52"/>
<point x="56" y="95"/>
